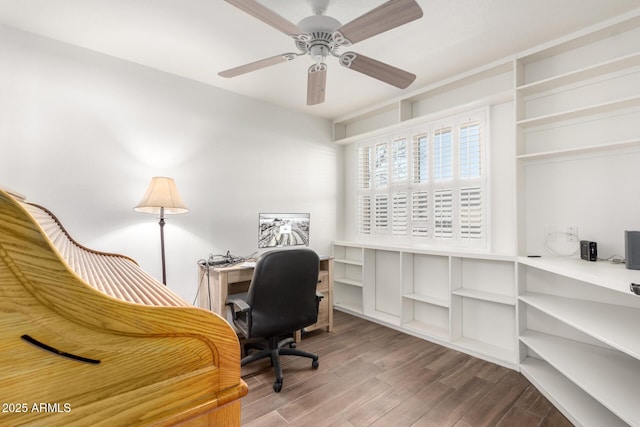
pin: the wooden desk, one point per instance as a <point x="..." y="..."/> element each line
<point x="216" y="283"/>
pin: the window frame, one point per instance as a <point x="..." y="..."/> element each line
<point x="413" y="224"/>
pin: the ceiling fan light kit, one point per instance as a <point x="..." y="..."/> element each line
<point x="320" y="36"/>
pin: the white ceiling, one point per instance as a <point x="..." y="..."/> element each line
<point x="198" y="38"/>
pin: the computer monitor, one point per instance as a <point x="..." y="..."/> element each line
<point x="283" y="229"/>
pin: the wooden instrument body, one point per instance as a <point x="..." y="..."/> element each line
<point x="147" y="364"/>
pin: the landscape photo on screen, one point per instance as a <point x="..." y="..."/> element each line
<point x="283" y="229"/>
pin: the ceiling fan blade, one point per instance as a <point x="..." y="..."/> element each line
<point x="267" y="16"/>
<point x="391" y="14"/>
<point x="257" y="65"/>
<point x="376" y="69"/>
<point x="316" y="84"/>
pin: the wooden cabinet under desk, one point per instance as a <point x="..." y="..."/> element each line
<point x="216" y="283"/>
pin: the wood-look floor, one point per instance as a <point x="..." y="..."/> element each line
<point x="370" y="375"/>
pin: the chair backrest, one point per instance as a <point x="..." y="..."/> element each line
<point x="282" y="294"/>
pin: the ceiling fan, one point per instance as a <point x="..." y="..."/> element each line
<point x="320" y="35"/>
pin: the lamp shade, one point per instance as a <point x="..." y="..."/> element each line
<point x="162" y="193"/>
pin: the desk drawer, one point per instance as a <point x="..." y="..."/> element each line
<point x="323" y="281"/>
<point x="241" y="275"/>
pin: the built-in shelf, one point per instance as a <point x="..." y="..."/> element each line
<point x="426" y="329"/>
<point x="580" y="150"/>
<point x="580" y="112"/>
<point x="579" y="407"/>
<point x="410" y="288"/>
<point x="604" y="30"/>
<point x="616" y="390"/>
<point x="492" y="352"/>
<point x="592" y="71"/>
<point x="613" y="324"/>
<point x="485" y="296"/>
<point x="349" y="308"/>
<point x="427" y="250"/>
<point x="349" y="282"/>
<point x="347" y="278"/>
<point x="427" y="299"/>
<point x="348" y="261"/>
<point x="605" y="274"/>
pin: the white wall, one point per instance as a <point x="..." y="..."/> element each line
<point x="594" y="192"/>
<point x="82" y="134"/>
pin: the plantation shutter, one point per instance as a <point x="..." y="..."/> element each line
<point x="420" y="159"/>
<point x="471" y="221"/>
<point x="420" y="214"/>
<point x="428" y="184"/>
<point x="382" y="212"/>
<point x="443" y="213"/>
<point x="364" y="214"/>
<point x="399" y="217"/>
<point x="400" y="158"/>
<point x="382" y="165"/>
<point x="364" y="167"/>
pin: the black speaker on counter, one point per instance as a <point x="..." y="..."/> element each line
<point x="588" y="250"/>
<point x="632" y="249"/>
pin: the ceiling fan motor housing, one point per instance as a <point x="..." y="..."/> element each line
<point x="317" y="39"/>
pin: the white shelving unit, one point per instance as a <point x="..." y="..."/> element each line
<point x="574" y="82"/>
<point x="347" y="278"/>
<point x="426" y="294"/>
<point x="577" y="106"/>
<point x="578" y="329"/>
<point x="483" y="301"/>
<point x="577" y="405"/>
<point x="572" y="112"/>
<point x="464" y="301"/>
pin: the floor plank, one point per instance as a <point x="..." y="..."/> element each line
<point x="371" y="375"/>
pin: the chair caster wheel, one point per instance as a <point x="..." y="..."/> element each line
<point x="315" y="364"/>
<point x="277" y="386"/>
<point x="292" y="345"/>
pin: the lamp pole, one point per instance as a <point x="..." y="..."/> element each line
<point x="164" y="269"/>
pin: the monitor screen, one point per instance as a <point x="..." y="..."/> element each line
<point x="283" y="229"/>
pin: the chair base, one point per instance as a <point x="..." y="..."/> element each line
<point x="275" y="349"/>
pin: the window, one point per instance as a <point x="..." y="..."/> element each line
<point x="420" y="159"/>
<point x="382" y="165"/>
<point x="427" y="184"/>
<point x="400" y="155"/>
<point x="442" y="155"/>
<point x="470" y="151"/>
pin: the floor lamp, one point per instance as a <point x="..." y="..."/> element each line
<point x="162" y="198"/>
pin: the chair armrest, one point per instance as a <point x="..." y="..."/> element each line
<point x="319" y="297"/>
<point x="238" y="306"/>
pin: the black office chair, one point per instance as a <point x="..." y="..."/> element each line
<point x="281" y="299"/>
